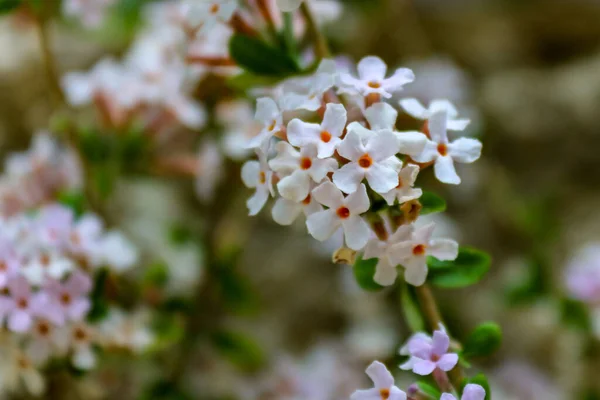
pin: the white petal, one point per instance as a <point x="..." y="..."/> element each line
<point x="334" y="120"/>
<point x="374" y="249"/>
<point x="409" y="174"/>
<point x="371" y="68"/>
<point x="321" y="225"/>
<point x="401" y="77"/>
<point x="351" y="147"/>
<point x="295" y="187"/>
<point x="356" y="232"/>
<point x="443" y="249"/>
<point x="288" y="5"/>
<point x="266" y="110"/>
<point x="414" y="107"/>
<point x="328" y="195"/>
<point x="349" y="177"/>
<point x="259" y="140"/>
<point x="458" y="124"/>
<point x="381" y="179"/>
<point x="285" y="211"/>
<point x="465" y="150"/>
<point x="437" y="127"/>
<point x="287" y="159"/>
<point x="429" y="153"/>
<point x="34" y="381"/>
<point x="300" y="133"/>
<point x="327" y="149"/>
<point x="363" y="133"/>
<point x="84" y="358"/>
<point x="381" y="116"/>
<point x="251" y="173"/>
<point x="382" y="145"/>
<point x="379" y="374"/>
<point x="415" y="271"/>
<point x="358" y="202"/>
<point x="423" y="234"/>
<point x="385" y="274"/>
<point x="368" y="394"/>
<point x="443" y="105"/>
<point x="258" y="200"/>
<point x="320" y="168"/>
<point x="445" y="171"/>
<point x="411" y="142"/>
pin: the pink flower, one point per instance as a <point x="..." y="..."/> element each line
<point x="71" y="298"/>
<point x="471" y="392"/>
<point x="21" y="306"/>
<point x="427" y="353"/>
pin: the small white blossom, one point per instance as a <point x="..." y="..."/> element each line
<point x="386" y="270"/>
<point x="47" y="264"/>
<point x="19" y="370"/>
<point x="286" y="211"/>
<point x="307" y="93"/>
<point x="116" y="251"/>
<point x="412" y="253"/>
<point x="205" y="14"/>
<point x="371" y="78"/>
<point x="209" y="170"/>
<point x="438" y="149"/>
<point x="91" y="12"/>
<point x="300" y="167"/>
<point x="271" y="116"/>
<point x="404" y="191"/>
<point x="413" y="107"/>
<point x="326" y="136"/>
<point x="384" y="388"/>
<point x="342" y="211"/>
<point x="374" y="160"/>
<point x="257" y="175"/>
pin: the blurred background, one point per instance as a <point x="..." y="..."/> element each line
<point x="526" y="72"/>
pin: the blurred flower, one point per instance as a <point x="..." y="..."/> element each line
<point x="209" y="171"/>
<point x="90" y="12"/>
<point x="470" y="392"/>
<point x="18" y="369"/>
<point x="386" y="270"/>
<point x="127" y="330"/>
<point x="270" y="114"/>
<point x="371" y="78"/>
<point x="428" y="353"/>
<point x="257" y="175"/>
<point x="384" y="385"/>
<point x="413" y="107"/>
<point x="404" y="191"/>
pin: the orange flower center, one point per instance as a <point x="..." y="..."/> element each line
<point x="65" y="298"/>
<point x="80" y="334"/>
<point x="22" y="303"/>
<point x="374" y="85"/>
<point x="442" y="149"/>
<point x="419" y="250"/>
<point x="306" y="201"/>
<point x="75" y="239"/>
<point x="305" y="163"/>
<point x="343" y="212"/>
<point x="3" y="266"/>
<point x="214" y="9"/>
<point x="273" y="124"/>
<point x="325" y="136"/>
<point x="43" y="328"/>
<point x="262" y="178"/>
<point x="365" y="161"/>
<point x="385" y="394"/>
<point x="45" y="260"/>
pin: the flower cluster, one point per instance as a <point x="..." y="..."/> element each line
<point x="48" y="259"/>
<point x="330" y="150"/>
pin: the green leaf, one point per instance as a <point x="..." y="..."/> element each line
<point x="100" y="305"/>
<point x="575" y="314"/>
<point x="481" y="380"/>
<point x="7" y="6"/>
<point x="483" y="341"/>
<point x="431" y="203"/>
<point x="469" y="268"/>
<point x="364" y="271"/>
<point x="428" y="390"/>
<point x="156" y="275"/>
<point x="413" y="316"/>
<point x="75" y="200"/>
<point x="239" y="349"/>
<point x="247" y="80"/>
<point x="258" y="57"/>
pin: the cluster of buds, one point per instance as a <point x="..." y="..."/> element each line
<point x="330" y="147"/>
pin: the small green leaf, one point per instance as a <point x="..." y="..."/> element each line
<point x="75" y="200"/>
<point x="481" y="380"/>
<point x="431" y="203"/>
<point x="100" y="305"/>
<point x="364" y="271"/>
<point x="469" y="268"/>
<point x="7" y="6"/>
<point x="575" y="314"/>
<point x="258" y="57"/>
<point x="156" y="275"/>
<point x="239" y="349"/>
<point x="483" y="341"/>
<point x="413" y="316"/>
<point x="428" y="390"/>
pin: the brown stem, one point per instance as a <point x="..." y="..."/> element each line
<point x="49" y="61"/>
<point x="321" y="46"/>
<point x="240" y="25"/>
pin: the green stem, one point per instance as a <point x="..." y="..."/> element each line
<point x="321" y="46"/>
<point x="288" y="33"/>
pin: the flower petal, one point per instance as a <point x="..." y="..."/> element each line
<point x="447" y="361"/>
<point x="379" y="374"/>
<point x="445" y="171"/>
<point x="285" y="212"/>
<point x="381" y="179"/>
<point x="351" y="147"/>
<point x="385" y="274"/>
<point x="334" y="120"/>
<point x="251" y="173"/>
<point x="381" y="116"/>
<point x="473" y="392"/>
<point x="371" y="68"/>
<point x="369" y="394"/>
<point x="447" y="396"/>
<point x="440" y="343"/>
<point x="457" y="124"/>
<point x="328" y="195"/>
<point x="300" y="133"/>
<point x="443" y="249"/>
<point x="443" y="105"/>
<point x="437" y="127"/>
<point x="423" y="367"/>
<point x="349" y="177"/>
<point x="415" y="271"/>
<point x="258" y="200"/>
<point x="414" y="107"/>
<point x="358" y="202"/>
<point x="266" y="110"/>
<point x="295" y="187"/>
<point x="321" y="225"/>
<point x="412" y="142"/>
<point x="401" y="77"/>
<point x="465" y="150"/>
<point x="382" y="145"/>
<point x="356" y="232"/>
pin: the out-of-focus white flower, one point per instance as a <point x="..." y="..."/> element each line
<point x="210" y="171"/>
<point x="286" y="211"/>
<point x="78" y="340"/>
<point x="375" y="160"/>
<point x="371" y="79"/>
<point x="271" y="116"/>
<point x="404" y="191"/>
<point x="343" y="211"/>
<point x="386" y="270"/>
<point x="238" y="119"/>
<point x="203" y="15"/>
<point x="413" y="107"/>
<point x="307" y="92"/>
<point x="90" y="12"/>
<point x="18" y="370"/>
<point x="444" y="153"/>
<point x="298" y="168"/>
<point x="127" y="330"/>
<point x="383" y="382"/>
<point x="117" y="252"/>
<point x="46" y="264"/>
<point x="257" y="175"/>
<point x="326" y="136"/>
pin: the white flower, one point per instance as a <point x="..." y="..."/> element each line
<point x="412" y="253"/>
<point x="307" y="93"/>
<point x="371" y="78"/>
<point x="288" y="5"/>
<point x="404" y="191"/>
<point x="438" y="149"/>
<point x="256" y="174"/>
<point x="386" y="270"/>
<point x="91" y="12"/>
<point x="127" y="330"/>
<point x="79" y="338"/>
<point x="209" y="170"/>
<point x="344" y="212"/>
<point x="46" y="264"/>
<point x="384" y="388"/>
<point x="374" y="160"/>
<point x="271" y="116"/>
<point x="18" y="369"/>
<point x="417" y="110"/>
<point x="300" y="167"/>
<point x="204" y="14"/>
<point x="116" y="251"/>
<point x="326" y="136"/>
<point x="238" y="119"/>
<point x="286" y="211"/>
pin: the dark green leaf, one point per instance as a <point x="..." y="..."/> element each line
<point x="575" y="314"/>
<point x="75" y="200"/>
<point x="164" y="390"/>
<point x="239" y="349"/>
<point x="413" y="316"/>
<point x="100" y="306"/>
<point x="428" y="390"/>
<point x="469" y="268"/>
<point x="364" y="271"/>
<point x="483" y="341"/>
<point x="481" y="380"/>
<point x="258" y="57"/>
<point x="156" y="275"/>
<point x="431" y="203"/>
<point x="7" y="6"/>
<point x="248" y="80"/>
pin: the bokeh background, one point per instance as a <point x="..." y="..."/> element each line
<point x="526" y="72"/>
